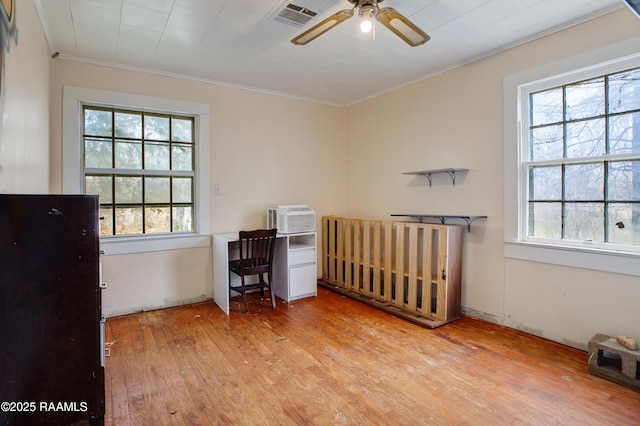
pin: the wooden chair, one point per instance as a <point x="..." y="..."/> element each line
<point x="256" y="258"/>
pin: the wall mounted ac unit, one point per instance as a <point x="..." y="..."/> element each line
<point x="291" y="219"/>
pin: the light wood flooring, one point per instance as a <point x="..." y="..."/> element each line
<point x="330" y="360"/>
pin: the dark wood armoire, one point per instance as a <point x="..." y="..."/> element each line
<point x="51" y="328"/>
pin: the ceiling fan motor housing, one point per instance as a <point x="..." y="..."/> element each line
<point x="361" y="3"/>
<point x="367" y="9"/>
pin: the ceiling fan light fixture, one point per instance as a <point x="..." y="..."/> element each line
<point x="366" y="26"/>
<point x="367" y="11"/>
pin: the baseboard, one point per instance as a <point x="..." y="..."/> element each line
<point x="166" y="304"/>
<point x="482" y="315"/>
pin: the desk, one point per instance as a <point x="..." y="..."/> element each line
<point x="294" y="266"/>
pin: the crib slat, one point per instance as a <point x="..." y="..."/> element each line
<point x="388" y="260"/>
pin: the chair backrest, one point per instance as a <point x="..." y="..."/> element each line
<point x="256" y="250"/>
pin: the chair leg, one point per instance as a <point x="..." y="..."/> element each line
<point x="272" y="293"/>
<point x="262" y="285"/>
<point x="244" y="295"/>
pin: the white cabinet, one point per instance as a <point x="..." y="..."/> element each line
<point x="295" y="271"/>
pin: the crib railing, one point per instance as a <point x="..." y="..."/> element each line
<point x="408" y="268"/>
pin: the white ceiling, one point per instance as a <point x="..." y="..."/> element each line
<point x="238" y="42"/>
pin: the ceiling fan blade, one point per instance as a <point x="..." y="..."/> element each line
<point x="322" y="27"/>
<point x="402" y="27"/>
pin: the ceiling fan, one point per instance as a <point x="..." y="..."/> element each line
<point x="387" y="16"/>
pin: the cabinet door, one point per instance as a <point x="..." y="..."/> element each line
<point x="303" y="281"/>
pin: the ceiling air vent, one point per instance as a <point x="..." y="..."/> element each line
<point x="294" y="15"/>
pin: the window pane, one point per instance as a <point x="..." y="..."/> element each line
<point x="546" y="183"/>
<point x="182" y="190"/>
<point x="584" y="222"/>
<point x="585" y="99"/>
<point x="181" y="130"/>
<point x="156" y="156"/>
<point x="584" y="155"/>
<point x="156" y="127"/>
<point x="128" y="125"/>
<point x="624" y="180"/>
<point x="624" y="91"/>
<point x="546" y="107"/>
<point x="157" y="190"/>
<point x="128" y="189"/>
<point x="141" y="203"/>
<point x="97" y="122"/>
<point x="547" y="143"/>
<point x="101" y="186"/>
<point x="586" y="139"/>
<point x="128" y="220"/>
<point x="98" y="153"/>
<point x="182" y="157"/>
<point x="106" y="224"/>
<point x="128" y="154"/>
<point x="182" y="219"/>
<point x="584" y="182"/>
<point x="624" y="223"/>
<point x="157" y="219"/>
<point x="624" y="133"/>
<point x="545" y="220"/>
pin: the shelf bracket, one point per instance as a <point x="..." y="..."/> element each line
<point x="468" y="220"/>
<point x="429" y="174"/>
<point x="451" y="173"/>
<point x="418" y="218"/>
<point x="453" y="177"/>
<point x="443" y="218"/>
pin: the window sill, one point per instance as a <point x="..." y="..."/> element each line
<point x="618" y="262"/>
<point x="141" y="244"/>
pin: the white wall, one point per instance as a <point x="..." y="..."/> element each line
<point x="265" y="150"/>
<point x="156" y="279"/>
<point x="24" y="107"/>
<point x="456" y="120"/>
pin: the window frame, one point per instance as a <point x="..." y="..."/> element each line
<point x="74" y="99"/>
<point x="144" y="172"/>
<point x="528" y="164"/>
<point x="517" y="245"/>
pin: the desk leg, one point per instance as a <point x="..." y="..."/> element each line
<point x="221" y="273"/>
<point x="280" y="285"/>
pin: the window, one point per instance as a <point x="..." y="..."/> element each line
<point x="571" y="161"/>
<point x="583" y="162"/>
<point x="141" y="165"/>
<point x="149" y="160"/>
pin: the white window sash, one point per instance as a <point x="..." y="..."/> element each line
<point x="606" y="60"/>
<point x="73" y="174"/>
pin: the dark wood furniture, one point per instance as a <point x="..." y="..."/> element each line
<point x="256" y="258"/>
<point x="51" y="339"/>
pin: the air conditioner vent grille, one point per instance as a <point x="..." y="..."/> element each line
<point x="294" y="15"/>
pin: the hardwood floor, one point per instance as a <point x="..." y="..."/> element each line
<point x="330" y="360"/>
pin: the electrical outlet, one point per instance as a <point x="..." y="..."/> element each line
<point x="217" y="189"/>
